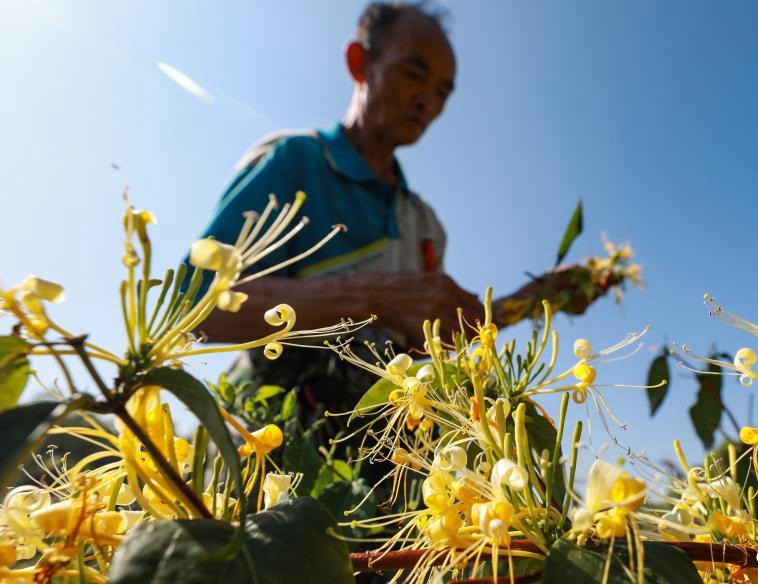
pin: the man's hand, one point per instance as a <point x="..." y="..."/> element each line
<point x="404" y="301"/>
<point x="570" y="289"/>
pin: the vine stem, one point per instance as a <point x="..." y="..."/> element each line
<point x="170" y="473"/>
<point x="119" y="410"/>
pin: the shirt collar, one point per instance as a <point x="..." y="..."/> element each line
<point x="345" y="159"/>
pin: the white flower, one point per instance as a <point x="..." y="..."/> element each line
<point x="276" y="488"/>
<point x="400" y="364"/>
<point x="452" y="458"/>
<point x="508" y="473"/>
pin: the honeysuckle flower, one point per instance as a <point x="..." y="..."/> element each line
<point x="442" y="528"/>
<point x="506" y="473"/>
<point x="43" y="289"/>
<point x="262" y="441"/>
<point x="137" y="221"/>
<point x="749" y="435"/>
<point x="210" y="254"/>
<point x="611" y="494"/>
<point x="494" y="519"/>
<point x="276" y="488"/>
<point x="450" y="459"/>
<point x="230" y="301"/>
<point x="582" y="348"/>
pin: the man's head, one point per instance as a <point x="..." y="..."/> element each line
<point x="403" y="67"/>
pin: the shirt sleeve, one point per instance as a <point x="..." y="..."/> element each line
<point x="250" y="190"/>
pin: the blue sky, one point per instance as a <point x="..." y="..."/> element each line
<point x="646" y="110"/>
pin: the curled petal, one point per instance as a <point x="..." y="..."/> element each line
<point x="400" y="364"/>
<point x="584" y="373"/>
<point x="508" y="473"/>
<point x="213" y="255"/>
<point x="279" y="315"/>
<point x="269" y="437"/>
<point x="273" y="351"/>
<point x="44" y="289"/>
<point x="749" y="435"/>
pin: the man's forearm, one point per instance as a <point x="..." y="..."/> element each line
<point x="318" y="302"/>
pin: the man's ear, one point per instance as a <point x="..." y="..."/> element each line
<point x="356" y="57"/>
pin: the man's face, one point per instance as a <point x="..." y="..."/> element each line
<point x="409" y="81"/>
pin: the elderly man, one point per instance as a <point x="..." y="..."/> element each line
<point x="389" y="262"/>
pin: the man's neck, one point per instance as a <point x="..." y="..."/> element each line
<point x="376" y="150"/>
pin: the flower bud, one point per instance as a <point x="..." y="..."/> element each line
<point x="582" y="348"/>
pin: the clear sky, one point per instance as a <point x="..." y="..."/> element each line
<point x="646" y="110"/>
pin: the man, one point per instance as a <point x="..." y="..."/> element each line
<point x="389" y="262"/>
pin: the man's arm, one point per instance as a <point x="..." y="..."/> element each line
<point x="401" y="301"/>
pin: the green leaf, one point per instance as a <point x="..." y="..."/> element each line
<point x="664" y="564"/>
<point x="706" y="413"/>
<point x="267" y="391"/>
<point x="301" y="456"/>
<point x="289" y="403"/>
<point x="22" y="428"/>
<point x="573" y="229"/>
<point x="339" y="497"/>
<point x="14" y="370"/>
<point x="339" y="471"/>
<point x="542" y="435"/>
<point x="658" y="372"/>
<point x="301" y="530"/>
<point x="166" y="552"/>
<point x="196" y="397"/>
<point x="379" y="393"/>
<point x="288" y="543"/>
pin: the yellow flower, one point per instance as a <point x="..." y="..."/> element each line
<point x="611" y="523"/>
<point x="494" y="519"/>
<point x="230" y="301"/>
<point x="442" y="528"/>
<point x="628" y="492"/>
<point x="727" y="525"/>
<point x="262" y="441"/>
<point x="436" y="491"/>
<point x="582" y="348"/>
<point x="215" y="256"/>
<point x="584" y="373"/>
<point x="749" y="435"/>
<point x="43" y="289"/>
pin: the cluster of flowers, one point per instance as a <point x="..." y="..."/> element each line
<point x="479" y="475"/>
<point x="495" y="485"/>
<point x="67" y="526"/>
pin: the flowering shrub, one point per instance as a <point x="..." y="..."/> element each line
<point x="143" y="480"/>
<point x="482" y="480"/>
<point x="486" y="493"/>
